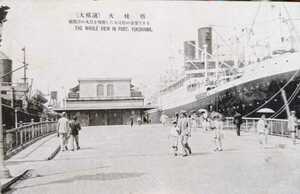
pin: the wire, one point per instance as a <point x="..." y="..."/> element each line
<point x="3" y="75"/>
<point x="292" y="97"/>
<point x="274" y="94"/>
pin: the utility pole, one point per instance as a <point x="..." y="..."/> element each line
<point x="205" y="60"/>
<point x="25" y="67"/>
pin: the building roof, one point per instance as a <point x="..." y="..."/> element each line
<point x="105" y="79"/>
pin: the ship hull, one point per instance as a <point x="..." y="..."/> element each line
<point x="247" y="97"/>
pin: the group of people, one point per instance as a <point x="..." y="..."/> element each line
<point x="68" y="129"/>
<point x="182" y="128"/>
<point x="263" y="128"/>
<point x="183" y="125"/>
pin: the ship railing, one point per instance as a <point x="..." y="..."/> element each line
<point x="276" y="126"/>
<point x="17" y="139"/>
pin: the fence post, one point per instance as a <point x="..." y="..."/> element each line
<point x="41" y="126"/>
<point x="47" y="126"/>
<point x="32" y="129"/>
<point x="17" y="137"/>
<point x="271" y="126"/>
<point x="282" y="129"/>
<point x="21" y="133"/>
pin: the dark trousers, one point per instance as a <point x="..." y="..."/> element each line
<point x="238" y="130"/>
<point x="75" y="138"/>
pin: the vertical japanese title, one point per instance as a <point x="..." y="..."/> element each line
<point x="110" y="22"/>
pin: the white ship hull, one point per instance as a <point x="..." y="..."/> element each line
<point x="279" y="67"/>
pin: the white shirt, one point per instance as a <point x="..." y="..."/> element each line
<point x="63" y="125"/>
<point x="292" y="123"/>
<point x="261" y="126"/>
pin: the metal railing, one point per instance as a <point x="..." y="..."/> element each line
<point x="276" y="126"/>
<point x="18" y="138"/>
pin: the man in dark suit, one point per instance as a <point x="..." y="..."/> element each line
<point x="237" y="120"/>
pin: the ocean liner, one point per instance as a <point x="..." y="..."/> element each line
<point x="239" y="82"/>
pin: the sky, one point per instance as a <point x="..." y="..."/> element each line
<point x="58" y="55"/>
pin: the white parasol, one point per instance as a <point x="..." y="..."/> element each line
<point x="266" y="110"/>
<point x="202" y="110"/>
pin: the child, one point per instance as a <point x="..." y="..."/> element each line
<point x="174" y="134"/>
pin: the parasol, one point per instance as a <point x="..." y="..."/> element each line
<point x="216" y="114"/>
<point x="202" y="110"/>
<point x="266" y="110"/>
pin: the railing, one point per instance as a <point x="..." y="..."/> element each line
<point x="18" y="138"/>
<point x="276" y="126"/>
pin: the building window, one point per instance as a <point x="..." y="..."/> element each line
<point x="100" y="90"/>
<point x="110" y="90"/>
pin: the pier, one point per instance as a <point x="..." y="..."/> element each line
<point x="121" y="159"/>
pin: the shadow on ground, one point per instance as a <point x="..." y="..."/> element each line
<point x="96" y="177"/>
<point x="201" y="153"/>
<point x="34" y="175"/>
<point x="17" y="162"/>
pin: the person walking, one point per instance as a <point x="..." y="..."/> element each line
<point x="131" y="121"/>
<point x="174" y="135"/>
<point x="75" y="128"/>
<point x="63" y="131"/>
<point x="262" y="130"/>
<point x="205" y="121"/>
<point x="218" y="132"/>
<point x="193" y="121"/>
<point x="185" y="133"/>
<point x="164" y="119"/>
<point x="238" y="122"/>
<point x="292" y="126"/>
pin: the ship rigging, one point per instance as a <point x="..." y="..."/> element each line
<point x="243" y="80"/>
